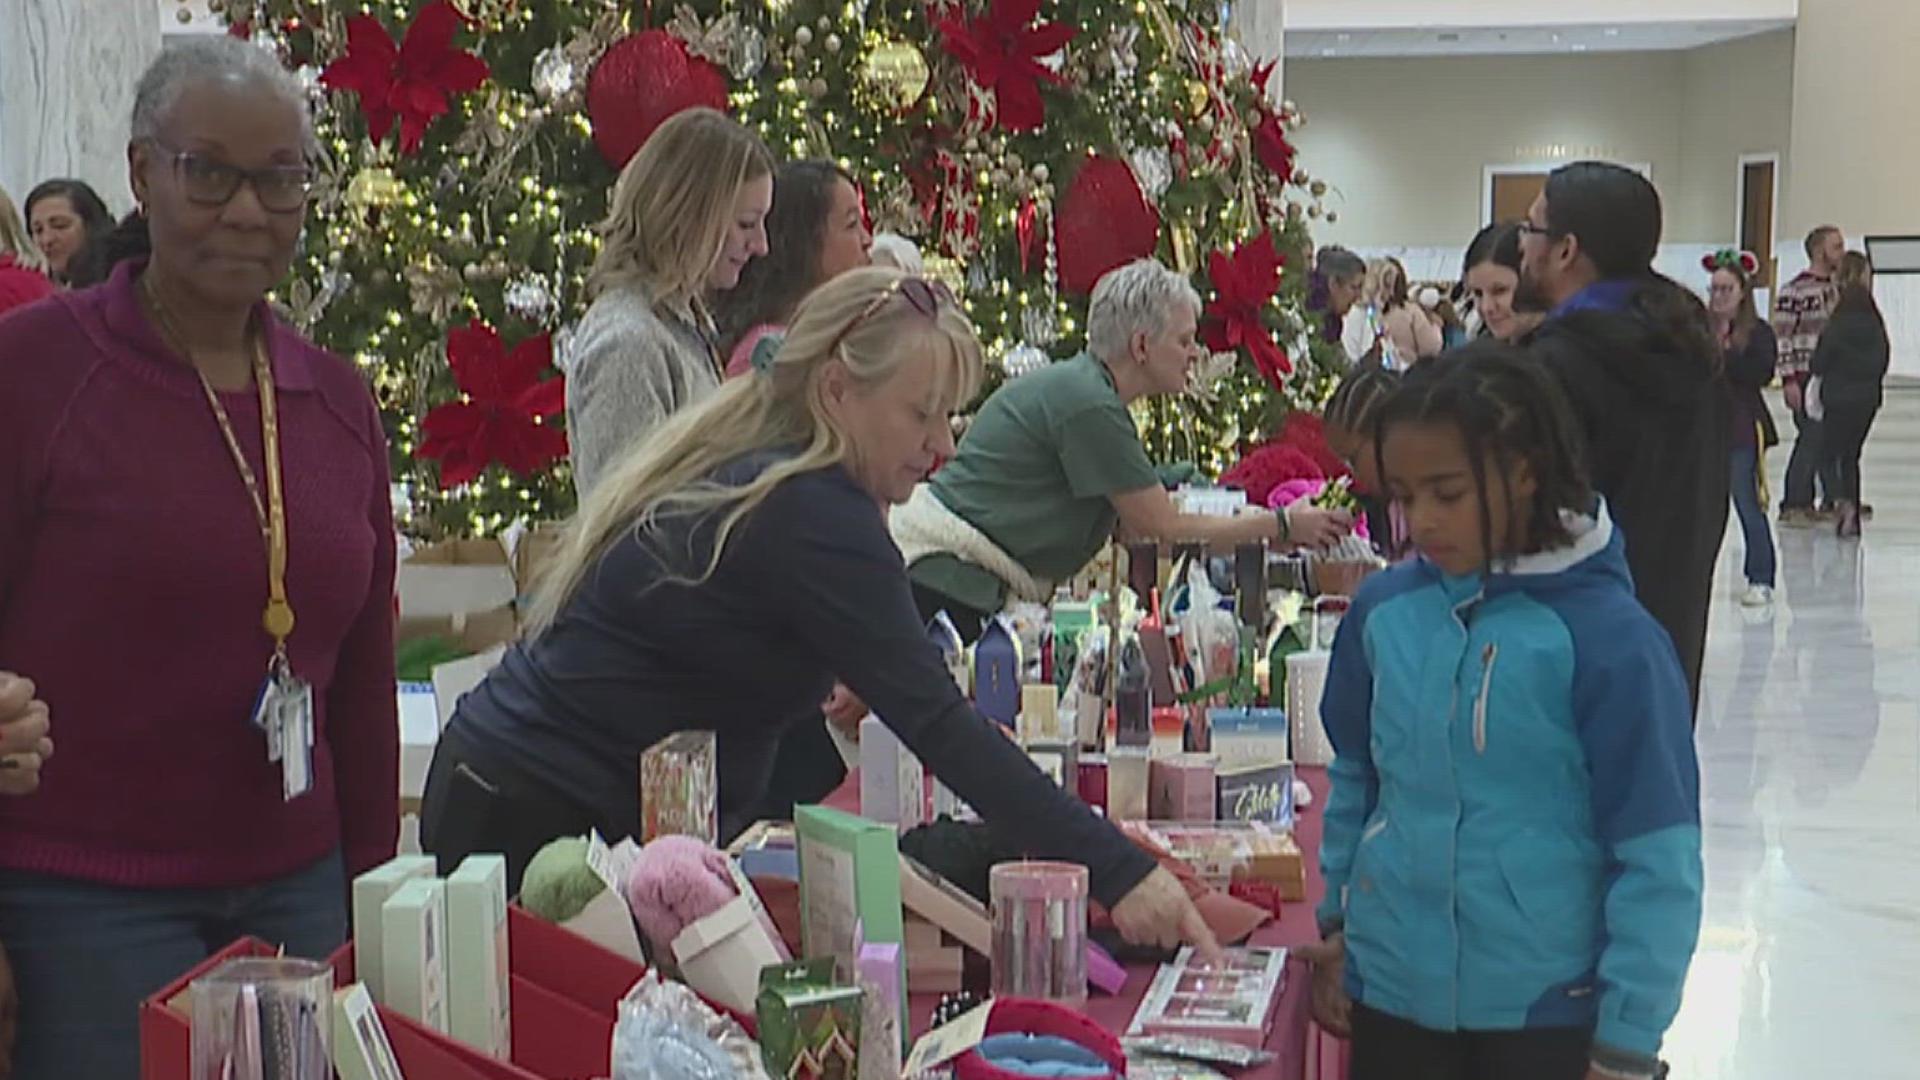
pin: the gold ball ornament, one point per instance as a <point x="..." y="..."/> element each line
<point x="1197" y="96"/>
<point x="1319" y="188"/>
<point x="374" y="188"/>
<point x="1315" y="212"/>
<point x="897" y="73"/>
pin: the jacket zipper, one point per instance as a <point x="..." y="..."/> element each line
<point x="1487" y="657"/>
<point x="1379" y="825"/>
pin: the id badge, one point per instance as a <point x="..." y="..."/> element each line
<point x="266" y="714"/>
<point x="296" y="738"/>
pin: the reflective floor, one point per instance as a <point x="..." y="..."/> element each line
<point x="1809" y="959"/>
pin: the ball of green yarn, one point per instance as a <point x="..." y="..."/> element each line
<point x="559" y="884"/>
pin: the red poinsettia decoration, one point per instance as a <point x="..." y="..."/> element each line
<point x="1001" y="50"/>
<point x="1307" y="433"/>
<point x="1245" y="283"/>
<point x="1270" y="143"/>
<point x="409" y="81"/>
<point x="498" y="419"/>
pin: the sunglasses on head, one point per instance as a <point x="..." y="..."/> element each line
<point x="924" y="294"/>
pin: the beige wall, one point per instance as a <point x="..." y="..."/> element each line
<point x="1405" y="141"/>
<point x="1856" y="142"/>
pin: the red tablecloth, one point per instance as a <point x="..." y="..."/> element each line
<point x="1301" y="1050"/>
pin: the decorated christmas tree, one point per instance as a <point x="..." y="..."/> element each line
<point x="467" y="148"/>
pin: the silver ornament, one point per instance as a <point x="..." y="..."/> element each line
<point x="977" y="282"/>
<point x="746" y="53"/>
<point x="1153" y="166"/>
<point x="530" y="298"/>
<point x="803" y="36"/>
<point x="554" y="75"/>
<point x="1023" y="359"/>
<point x="1038" y="323"/>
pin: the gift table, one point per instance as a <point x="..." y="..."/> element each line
<point x="1301" y="1050"/>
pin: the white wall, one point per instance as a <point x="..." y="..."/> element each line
<point x="1399" y="14"/>
<point x="67" y="71"/>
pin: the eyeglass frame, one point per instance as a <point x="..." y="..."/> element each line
<point x="936" y="294"/>
<point x="249" y="177"/>
<point x="1528" y="228"/>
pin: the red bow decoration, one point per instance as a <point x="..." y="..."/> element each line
<point x="411" y="80"/>
<point x="1246" y="282"/>
<point x="1001" y="50"/>
<point x="1727" y="259"/>
<point x="498" y="419"/>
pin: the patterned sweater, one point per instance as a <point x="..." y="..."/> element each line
<point x="1800" y="313"/>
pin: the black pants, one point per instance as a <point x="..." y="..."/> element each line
<point x="1810" y="461"/>
<point x="470" y="807"/>
<point x="1846" y="436"/>
<point x="806" y="769"/>
<point x="1388" y="1048"/>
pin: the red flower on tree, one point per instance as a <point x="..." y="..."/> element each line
<point x="503" y="401"/>
<point x="409" y="81"/>
<point x="1270" y="143"/>
<point x="1001" y="50"/>
<point x="1246" y="282"/>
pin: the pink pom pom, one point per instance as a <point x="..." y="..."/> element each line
<point x="675" y="882"/>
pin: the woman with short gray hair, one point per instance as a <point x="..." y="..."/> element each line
<point x="196" y="572"/>
<point x="1053" y="463"/>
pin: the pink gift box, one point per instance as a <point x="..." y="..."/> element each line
<point x="1182" y="788"/>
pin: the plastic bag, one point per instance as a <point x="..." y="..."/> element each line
<point x="666" y="1032"/>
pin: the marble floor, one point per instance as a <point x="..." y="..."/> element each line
<point x="1809" y="744"/>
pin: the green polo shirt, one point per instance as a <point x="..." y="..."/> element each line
<point x="1035" y="474"/>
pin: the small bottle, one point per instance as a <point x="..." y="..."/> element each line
<point x="1133" y="704"/>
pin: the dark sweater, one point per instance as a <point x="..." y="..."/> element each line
<point x="132" y="577"/>
<point x="1749" y="370"/>
<point x="1642" y="372"/>
<point x="811" y="588"/>
<point x="1851" y="360"/>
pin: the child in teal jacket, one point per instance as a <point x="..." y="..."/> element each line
<point x="1512" y="843"/>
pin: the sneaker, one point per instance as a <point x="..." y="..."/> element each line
<point x="1757" y="596"/>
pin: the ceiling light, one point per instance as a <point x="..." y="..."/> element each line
<point x="1343" y="36"/>
<point x="1329" y="52"/>
<point x="1579" y="48"/>
<point x="1613" y="31"/>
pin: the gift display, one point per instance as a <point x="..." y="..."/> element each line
<point x="1231" y="1000"/>
<point x="479" y="1001"/>
<point x="1224" y="852"/>
<point x="1182" y="788"/>
<point x="809" y="1023"/>
<point x="849" y="876"/>
<point x="679" y="788"/>
<point x="413" y="951"/>
<point x="1256" y="791"/>
<point x="1039" y="916"/>
<point x="576" y="882"/>
<point x="371" y="890"/>
<point x="270" y="1018"/>
<point x="892" y="780"/>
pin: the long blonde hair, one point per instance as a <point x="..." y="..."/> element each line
<point x="673" y="204"/>
<point x="671" y="471"/>
<point x="15" y="240"/>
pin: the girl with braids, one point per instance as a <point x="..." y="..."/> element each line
<point x="1348" y="425"/>
<point x="1513" y="879"/>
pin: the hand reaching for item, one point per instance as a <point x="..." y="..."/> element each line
<point x="844" y="709"/>
<point x="1332" y="1009"/>
<point x="1312" y="527"/>
<point x="24" y="742"/>
<point x="1158" y="912"/>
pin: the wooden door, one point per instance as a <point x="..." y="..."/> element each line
<point x="1756" y="217"/>
<point x="1513" y="195"/>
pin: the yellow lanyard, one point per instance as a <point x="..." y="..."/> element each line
<point x="271" y="512"/>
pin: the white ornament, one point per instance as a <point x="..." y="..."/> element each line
<point x="746" y="53"/>
<point x="1153" y="166"/>
<point x="553" y="74"/>
<point x="530" y="298"/>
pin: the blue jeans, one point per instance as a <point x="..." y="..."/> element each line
<point x="1753" y="517"/>
<point x="84" y="956"/>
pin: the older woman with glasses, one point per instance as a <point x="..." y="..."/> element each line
<point x="196" y="572"/>
<point x="725" y="573"/>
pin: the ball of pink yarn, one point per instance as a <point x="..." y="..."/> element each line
<point x="677" y="881"/>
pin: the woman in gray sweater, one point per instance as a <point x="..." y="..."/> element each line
<point x="688" y="213"/>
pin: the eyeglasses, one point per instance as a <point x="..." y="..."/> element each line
<point x="281" y="189"/>
<point x="1528" y="228"/>
<point x="925" y="295"/>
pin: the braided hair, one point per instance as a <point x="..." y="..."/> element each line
<point x="1507" y="407"/>
<point x="1359" y="396"/>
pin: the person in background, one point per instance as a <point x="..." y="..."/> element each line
<point x="1490" y="274"/>
<point x="1849" y="367"/>
<point x="195" y="512"/>
<point x="815" y="232"/>
<point x="727" y="571"/>
<point x="1339" y="279"/>
<point x="66" y="217"/>
<point x="1748" y="350"/>
<point x="1348" y="424"/>
<point x="1513" y="892"/>
<point x="1053" y="462"/>
<point x="23" y="269"/>
<point x="1800" y="313"/>
<point x="892" y="249"/>
<point x="686" y="217"/>
<point x="1641" y="368"/>
<point x="1389" y="322"/>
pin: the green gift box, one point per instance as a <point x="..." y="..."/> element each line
<point x="809" y="1025"/>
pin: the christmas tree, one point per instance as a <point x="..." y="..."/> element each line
<point x="467" y="148"/>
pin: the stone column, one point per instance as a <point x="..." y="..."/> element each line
<point x="67" y="72"/>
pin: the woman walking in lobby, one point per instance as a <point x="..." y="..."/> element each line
<point x="1849" y="366"/>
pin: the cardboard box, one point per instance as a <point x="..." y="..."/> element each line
<point x="722" y="955"/>
<point x="1247" y="735"/>
<point x="1182" y="788"/>
<point x="371" y="891"/>
<point x="1128" y="780"/>
<point x="809" y="1024"/>
<point x="892" y="780"/>
<point x="1040" y="715"/>
<point x="463" y="590"/>
<point x="361" y="1048"/>
<point x="413" y="951"/>
<point x="479" y="986"/>
<point x="941" y="903"/>
<point x="1261" y="791"/>
<point x="680" y="788"/>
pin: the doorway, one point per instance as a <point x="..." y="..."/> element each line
<point x="1758" y="206"/>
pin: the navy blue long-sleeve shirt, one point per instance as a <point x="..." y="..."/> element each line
<point x="810" y="588"/>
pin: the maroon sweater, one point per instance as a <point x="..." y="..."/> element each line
<point x="132" y="578"/>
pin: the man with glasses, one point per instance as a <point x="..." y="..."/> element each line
<point x="1640" y="365"/>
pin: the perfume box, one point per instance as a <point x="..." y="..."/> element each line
<point x="1182" y="788"/>
<point x="996" y="673"/>
<point x="1040" y="714"/>
<point x="1242" y="735"/>
<point x="809" y="1023"/>
<point x="679" y="789"/>
<point x="479" y="1002"/>
<point x="1261" y="791"/>
<point x="1128" y="780"/>
<point x="371" y="891"/>
<point x="892" y="780"/>
<point x="1233" y="1000"/>
<point x="413" y="930"/>
<point x="361" y="1050"/>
